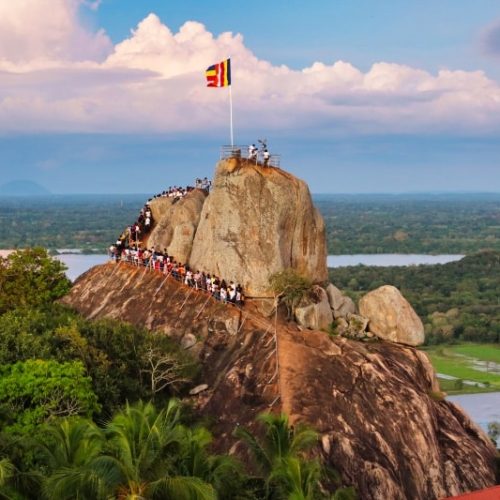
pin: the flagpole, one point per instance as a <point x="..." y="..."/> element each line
<point x="231" y="113"/>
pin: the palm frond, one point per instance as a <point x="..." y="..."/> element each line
<point x="181" y="488"/>
<point x="7" y="470"/>
<point x="262" y="460"/>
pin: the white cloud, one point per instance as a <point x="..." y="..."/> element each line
<point x="74" y="80"/>
<point x="47" y="30"/>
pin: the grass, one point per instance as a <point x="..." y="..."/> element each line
<point x="452" y="360"/>
<point x="485" y="352"/>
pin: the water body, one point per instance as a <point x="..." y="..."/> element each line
<point x="390" y="259"/>
<point x="482" y="408"/>
<point x="77" y="263"/>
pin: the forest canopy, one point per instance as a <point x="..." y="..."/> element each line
<point x="456" y="301"/>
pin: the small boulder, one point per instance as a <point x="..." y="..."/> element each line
<point x="335" y="296"/>
<point x="198" y="389"/>
<point x="357" y="324"/>
<point x="188" y="341"/>
<point x="342" y="325"/>
<point x="341" y="304"/>
<point x="391" y="316"/>
<point x="315" y="315"/>
<point x="232" y="324"/>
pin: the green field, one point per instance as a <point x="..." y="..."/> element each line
<point x="458" y="361"/>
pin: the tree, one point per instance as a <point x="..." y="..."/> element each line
<point x="164" y="369"/>
<point x="279" y="457"/>
<point x="31" y="278"/>
<point x="69" y="450"/>
<point x="289" y="286"/>
<point x="144" y="444"/>
<point x="33" y="391"/>
<point x="7" y="471"/>
<point x="223" y="472"/>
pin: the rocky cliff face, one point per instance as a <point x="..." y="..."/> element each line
<point x="176" y="224"/>
<point x="383" y="422"/>
<point x="255" y="222"/>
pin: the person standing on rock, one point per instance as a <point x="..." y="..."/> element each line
<point x="266" y="156"/>
<point x="252" y="152"/>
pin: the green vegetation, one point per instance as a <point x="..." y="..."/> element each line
<point x="87" y="222"/>
<point x="355" y="223"/>
<point x="31" y="279"/>
<point x="289" y="286"/>
<point x="117" y="357"/>
<point x="456" y="224"/>
<point x="277" y="455"/>
<point x="458" y="301"/>
<point x="483" y="352"/>
<point x="33" y="391"/>
<point x="147" y="453"/>
<point x="74" y="424"/>
<point x="469" y="364"/>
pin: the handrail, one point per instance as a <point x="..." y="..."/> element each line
<point x="238" y="151"/>
<point x="137" y="262"/>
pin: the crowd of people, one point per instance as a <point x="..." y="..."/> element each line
<point x="180" y="192"/>
<point x="128" y="249"/>
<point x="133" y="234"/>
<point x="166" y="264"/>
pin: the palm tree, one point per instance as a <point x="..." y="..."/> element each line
<point x="223" y="472"/>
<point x="297" y="479"/>
<point x="70" y="450"/>
<point x="144" y="445"/>
<point x="278" y="456"/>
<point x="7" y="471"/>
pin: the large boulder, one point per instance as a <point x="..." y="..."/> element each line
<point x="258" y="221"/>
<point x="391" y="316"/>
<point x="175" y="223"/>
<point x="316" y="314"/>
<point x="341" y="304"/>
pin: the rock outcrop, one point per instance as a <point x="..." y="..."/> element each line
<point x="316" y="313"/>
<point x="341" y="304"/>
<point x="176" y="223"/>
<point x="391" y="317"/>
<point x="384" y="424"/>
<point x="258" y="221"/>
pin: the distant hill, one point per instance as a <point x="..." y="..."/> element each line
<point x="23" y="188"/>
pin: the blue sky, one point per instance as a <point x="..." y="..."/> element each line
<point x="356" y="96"/>
<point x="426" y="33"/>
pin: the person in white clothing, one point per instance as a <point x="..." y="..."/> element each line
<point x="252" y="152"/>
<point x="266" y="155"/>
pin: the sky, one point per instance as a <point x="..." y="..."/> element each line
<point x="356" y="96"/>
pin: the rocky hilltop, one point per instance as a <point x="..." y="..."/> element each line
<point x="384" y="423"/>
<point x="255" y="222"/>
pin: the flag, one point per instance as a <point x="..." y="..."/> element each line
<point x="219" y="75"/>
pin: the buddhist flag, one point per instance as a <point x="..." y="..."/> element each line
<point x="219" y="75"/>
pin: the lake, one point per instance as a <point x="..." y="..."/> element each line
<point x="390" y="259"/>
<point x="482" y="408"/>
<point x="78" y="263"/>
